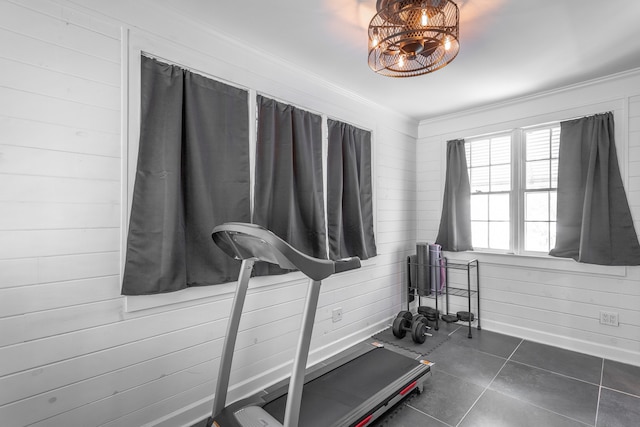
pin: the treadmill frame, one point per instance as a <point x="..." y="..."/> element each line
<point x="363" y="415"/>
<point x="251" y="243"/>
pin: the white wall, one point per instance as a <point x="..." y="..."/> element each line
<point x="73" y="352"/>
<point x="549" y="300"/>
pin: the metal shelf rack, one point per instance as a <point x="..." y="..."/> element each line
<point x="462" y="292"/>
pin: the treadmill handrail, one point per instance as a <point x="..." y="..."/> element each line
<point x="243" y="241"/>
<point x="250" y="243"/>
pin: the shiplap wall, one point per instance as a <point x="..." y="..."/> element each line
<point x="71" y="353"/>
<point x="548" y="300"/>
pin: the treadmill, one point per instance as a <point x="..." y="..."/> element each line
<point x="350" y="390"/>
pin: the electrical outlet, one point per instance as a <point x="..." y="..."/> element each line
<point x="337" y="314"/>
<point x="608" y="318"/>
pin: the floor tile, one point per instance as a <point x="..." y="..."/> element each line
<point x="497" y="410"/>
<point x="565" y="362"/>
<point x="621" y="377"/>
<point x="464" y="362"/>
<point x="446" y="397"/>
<point x="566" y="396"/>
<point x="618" y="409"/>
<point x="404" y="416"/>
<point x="520" y="393"/>
<point x="486" y="341"/>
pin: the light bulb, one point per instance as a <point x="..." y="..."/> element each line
<point x="424" y="19"/>
<point x="447" y="43"/>
<point x="374" y="40"/>
<point x="401" y="61"/>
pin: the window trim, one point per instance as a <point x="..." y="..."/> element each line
<point x="512" y="206"/>
<point x="518" y="184"/>
<point x="522" y="177"/>
<point x="534" y="262"/>
<point x="136" y="45"/>
<point x="518" y="175"/>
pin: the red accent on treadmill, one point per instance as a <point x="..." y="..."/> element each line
<point x="364" y="422"/>
<point x="408" y="388"/>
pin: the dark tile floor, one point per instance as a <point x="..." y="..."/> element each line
<point x="495" y="380"/>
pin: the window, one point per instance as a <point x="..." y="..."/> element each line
<point x="193" y="153"/>
<point x="349" y="192"/>
<point x="195" y="170"/>
<point x="288" y="196"/>
<point x="540" y="184"/>
<point x="513" y="178"/>
<point x="489" y="163"/>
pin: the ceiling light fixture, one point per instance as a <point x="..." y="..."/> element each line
<point x="412" y="37"/>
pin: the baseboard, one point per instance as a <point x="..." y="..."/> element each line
<point x="568" y="343"/>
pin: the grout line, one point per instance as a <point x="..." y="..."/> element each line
<point x="555" y="373"/>
<point x="514" y="350"/>
<point x="454" y="331"/>
<point x="621" y="392"/>
<point x="424" y="413"/>
<point x="599" y="392"/>
<point x="490" y="382"/>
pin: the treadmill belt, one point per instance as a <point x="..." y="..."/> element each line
<point x="335" y="394"/>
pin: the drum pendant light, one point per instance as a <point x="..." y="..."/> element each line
<point x="413" y="37"/>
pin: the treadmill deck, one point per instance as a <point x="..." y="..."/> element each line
<point x="333" y="396"/>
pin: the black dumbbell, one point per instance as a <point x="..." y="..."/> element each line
<point x="406" y="314"/>
<point x="401" y="324"/>
<point x="417" y="325"/>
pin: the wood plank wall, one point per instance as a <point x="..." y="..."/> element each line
<point x="548" y="300"/>
<point x="70" y="353"/>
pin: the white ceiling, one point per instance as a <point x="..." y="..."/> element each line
<point x="509" y="48"/>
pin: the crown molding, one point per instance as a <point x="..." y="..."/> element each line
<point x="635" y="72"/>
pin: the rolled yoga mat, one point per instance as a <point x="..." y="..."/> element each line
<point x="436" y="268"/>
<point x="422" y="275"/>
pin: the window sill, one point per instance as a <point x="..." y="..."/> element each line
<point x="193" y="295"/>
<point x="538" y="262"/>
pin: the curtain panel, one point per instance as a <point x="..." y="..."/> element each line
<point x="349" y="192"/>
<point x="454" y="233"/>
<point x="594" y="223"/>
<point x="192" y="174"/>
<point x="289" y="195"/>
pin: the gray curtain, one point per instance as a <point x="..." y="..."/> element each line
<point x="455" y="223"/>
<point x="192" y="174"/>
<point x="289" y="195"/>
<point x="594" y="223"/>
<point x="349" y="192"/>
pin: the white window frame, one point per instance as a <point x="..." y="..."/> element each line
<point x="519" y="168"/>
<point x="518" y="184"/>
<point x="512" y="204"/>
